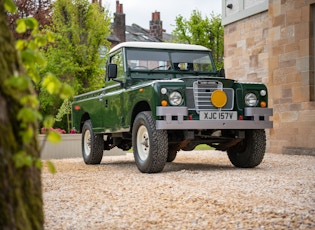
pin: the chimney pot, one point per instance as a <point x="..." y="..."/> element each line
<point x="119" y="7"/>
<point x="155" y="16"/>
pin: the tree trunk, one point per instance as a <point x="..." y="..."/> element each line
<point x="21" y="205"/>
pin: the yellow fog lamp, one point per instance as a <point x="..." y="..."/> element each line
<point x="219" y="98"/>
<point x="164" y="103"/>
<point x="263" y="104"/>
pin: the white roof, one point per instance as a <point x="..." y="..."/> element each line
<point x="159" y="45"/>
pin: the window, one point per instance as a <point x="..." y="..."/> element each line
<point x="170" y="60"/>
<point x="192" y="61"/>
<point x="118" y="60"/>
<point x="148" y="59"/>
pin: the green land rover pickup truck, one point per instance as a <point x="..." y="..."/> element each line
<point x="160" y="98"/>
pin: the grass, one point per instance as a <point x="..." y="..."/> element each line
<point x="203" y="147"/>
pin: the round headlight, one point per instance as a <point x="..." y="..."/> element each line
<point x="263" y="93"/>
<point x="251" y="99"/>
<point x="175" y="98"/>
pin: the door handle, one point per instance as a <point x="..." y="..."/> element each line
<point x="101" y="96"/>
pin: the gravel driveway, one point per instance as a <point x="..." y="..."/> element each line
<point x="199" y="190"/>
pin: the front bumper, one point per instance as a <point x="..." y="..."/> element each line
<point x="173" y="118"/>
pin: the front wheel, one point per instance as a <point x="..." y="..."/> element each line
<point x="92" y="144"/>
<point x="250" y="152"/>
<point x="150" y="145"/>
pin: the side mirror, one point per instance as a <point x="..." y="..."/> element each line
<point x="111" y="71"/>
<point x="222" y="73"/>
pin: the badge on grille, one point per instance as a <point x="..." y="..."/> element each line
<point x="218" y="98"/>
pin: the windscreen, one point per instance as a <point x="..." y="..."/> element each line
<point x="199" y="61"/>
<point x="193" y="61"/>
<point x="148" y="59"/>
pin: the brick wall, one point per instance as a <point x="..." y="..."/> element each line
<point x="156" y="26"/>
<point x="119" y="25"/>
<point x="276" y="47"/>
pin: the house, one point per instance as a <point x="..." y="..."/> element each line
<point x="272" y="41"/>
<point x="122" y="32"/>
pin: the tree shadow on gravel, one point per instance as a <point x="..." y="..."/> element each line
<point x="119" y="163"/>
<point x="171" y="167"/>
<point x="179" y="166"/>
<point x="176" y="167"/>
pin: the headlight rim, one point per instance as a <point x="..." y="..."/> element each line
<point x="175" y="98"/>
<point x="248" y="100"/>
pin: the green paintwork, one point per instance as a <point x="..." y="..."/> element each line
<point x="241" y="89"/>
<point x="113" y="108"/>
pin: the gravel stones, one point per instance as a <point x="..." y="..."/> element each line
<point x="199" y="190"/>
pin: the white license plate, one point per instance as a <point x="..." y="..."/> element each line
<point x="217" y="115"/>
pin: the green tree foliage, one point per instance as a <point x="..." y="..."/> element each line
<point x="81" y="30"/>
<point x="206" y="31"/>
<point x="21" y="205"/>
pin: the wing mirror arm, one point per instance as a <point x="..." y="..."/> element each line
<point x="122" y="84"/>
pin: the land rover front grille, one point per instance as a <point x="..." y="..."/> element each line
<point x="199" y="96"/>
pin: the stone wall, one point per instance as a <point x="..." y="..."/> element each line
<point x="276" y="47"/>
<point x="246" y="49"/>
<point x="291" y="72"/>
<point x="68" y="147"/>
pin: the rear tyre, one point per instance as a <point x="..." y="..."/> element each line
<point x="172" y="153"/>
<point x="150" y="145"/>
<point x="250" y="152"/>
<point x="92" y="144"/>
<point x="189" y="147"/>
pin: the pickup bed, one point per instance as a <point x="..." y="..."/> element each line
<point x="160" y="98"/>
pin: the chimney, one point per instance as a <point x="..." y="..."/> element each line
<point x="156" y="28"/>
<point x="119" y="25"/>
<point x="99" y="2"/>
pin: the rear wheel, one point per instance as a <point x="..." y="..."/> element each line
<point x="189" y="147"/>
<point x="150" y="145"/>
<point x="92" y="144"/>
<point x="172" y="152"/>
<point x="250" y="152"/>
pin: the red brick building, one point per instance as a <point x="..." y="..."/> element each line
<point x="123" y="32"/>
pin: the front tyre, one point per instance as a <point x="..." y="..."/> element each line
<point x="92" y="144"/>
<point x="150" y="145"/>
<point x="250" y="152"/>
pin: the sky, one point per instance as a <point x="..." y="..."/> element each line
<point x="140" y="11"/>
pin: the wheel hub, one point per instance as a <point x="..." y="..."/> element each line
<point x="143" y="143"/>
<point x="87" y="143"/>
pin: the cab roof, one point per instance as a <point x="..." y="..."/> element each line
<point x="159" y="45"/>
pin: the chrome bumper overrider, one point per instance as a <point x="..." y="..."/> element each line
<point x="173" y="118"/>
